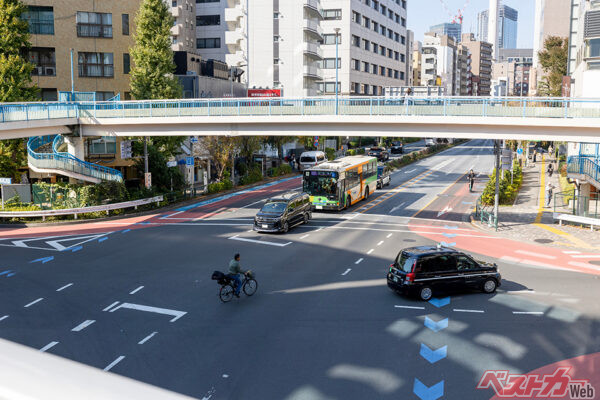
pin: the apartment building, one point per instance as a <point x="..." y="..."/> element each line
<point x="446" y="61"/>
<point x="481" y="63"/>
<point x="464" y="71"/>
<point x="184" y="26"/>
<point x="584" y="51"/>
<point x="429" y="76"/>
<point x="417" y="59"/>
<point x="100" y="34"/>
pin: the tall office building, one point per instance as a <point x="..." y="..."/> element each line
<point x="452" y="30"/>
<point x="446" y="61"/>
<point x="507" y="27"/>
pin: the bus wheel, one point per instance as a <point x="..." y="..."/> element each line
<point x="367" y="193"/>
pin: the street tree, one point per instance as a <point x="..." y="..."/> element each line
<point x="221" y="149"/>
<point x="554" y="60"/>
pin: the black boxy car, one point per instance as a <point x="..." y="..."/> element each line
<point x="380" y="152"/>
<point x="397" y="148"/>
<point x="281" y="213"/>
<point x="425" y="270"/>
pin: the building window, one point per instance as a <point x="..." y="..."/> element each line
<point x="40" y="19"/>
<point x="48" y="95"/>
<point x="403" y="39"/>
<point x="402" y="75"/>
<point x="375" y="26"/>
<point x="382" y="29"/>
<point x="390" y="72"/>
<point x="355" y="41"/>
<point x="104" y="145"/>
<point x="332" y="14"/>
<point x="125" y="24"/>
<point x="366" y="22"/>
<point x="375" y="5"/>
<point x="402" y="57"/>
<point x="356" y="64"/>
<point x="375" y="47"/>
<point x="365" y="66"/>
<point x="382" y="51"/>
<point x="96" y="65"/>
<point x="208" y="43"/>
<point x="329" y="38"/>
<point x="592" y="48"/>
<point x="403" y="21"/>
<point x="374" y="69"/>
<point x="397" y="37"/>
<point x="390" y="53"/>
<point x="404" y="4"/>
<point x="382" y="71"/>
<point x="328" y="87"/>
<point x="126" y="63"/>
<point x="329" y="63"/>
<point x="366" y="45"/>
<point x="396" y="55"/>
<point x="208" y="20"/>
<point x="174" y="3"/>
<point x="90" y="24"/>
<point x="396" y="74"/>
<point x="44" y="61"/>
<point x="356" y="17"/>
<point x="104" y="96"/>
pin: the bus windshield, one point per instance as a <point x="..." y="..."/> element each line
<point x="321" y="184"/>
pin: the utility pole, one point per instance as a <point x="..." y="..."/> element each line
<point x="497" y="194"/>
<point x="146" y="172"/>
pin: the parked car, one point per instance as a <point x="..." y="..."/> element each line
<point x="428" y="270"/>
<point x="397" y="148"/>
<point x="383" y="177"/>
<point x="311" y="158"/>
<point x="429" y="142"/>
<point x="380" y="152"/>
<point x="283" y="212"/>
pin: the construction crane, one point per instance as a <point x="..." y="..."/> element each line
<point x="458" y="17"/>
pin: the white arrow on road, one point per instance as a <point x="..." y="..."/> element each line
<point x="397" y="207"/>
<point x="447" y="209"/>
<point x="139" y="307"/>
<point x="412" y="170"/>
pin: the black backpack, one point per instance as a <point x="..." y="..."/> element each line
<point x="220" y="277"/>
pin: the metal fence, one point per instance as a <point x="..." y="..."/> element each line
<point x="485" y="214"/>
<point x="584" y="166"/>
<point x="570" y="203"/>
<point x="416" y="106"/>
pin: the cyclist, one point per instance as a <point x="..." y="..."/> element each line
<point x="471" y="178"/>
<point x="234" y="273"/>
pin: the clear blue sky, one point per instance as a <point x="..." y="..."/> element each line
<point x="424" y="13"/>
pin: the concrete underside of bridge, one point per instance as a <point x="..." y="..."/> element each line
<point x="24" y="129"/>
<point x="579" y="130"/>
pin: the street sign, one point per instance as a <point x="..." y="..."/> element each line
<point x="5" y="181"/>
<point x="189" y="161"/>
<point x="126" y="151"/>
<point x="194" y="139"/>
<point x="171" y="163"/>
<point x="520" y="151"/>
<point x="148" y="180"/>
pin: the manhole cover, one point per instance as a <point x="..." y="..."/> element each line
<point x="594" y="262"/>
<point x="409" y="240"/>
<point x="544" y="240"/>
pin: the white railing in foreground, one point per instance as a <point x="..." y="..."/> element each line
<point x="83" y="210"/>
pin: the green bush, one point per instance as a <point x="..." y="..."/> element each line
<point x="351" y="152"/>
<point x="283" y="169"/>
<point x="219" y="186"/>
<point x="507" y="192"/>
<point x="254" y="175"/>
<point x="330" y="153"/>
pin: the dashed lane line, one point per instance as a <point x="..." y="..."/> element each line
<point x="389" y="236"/>
<point x="370" y="251"/>
<point x="33" y="302"/>
<point x="3" y="318"/>
<point x="144" y="340"/>
<point x="111" y="306"/>
<point x="236" y="237"/>
<point x="112" y="364"/>
<point x="529" y="312"/>
<point x="380" y="243"/>
<point x="60" y="289"/>
<point x="411" y="307"/>
<point x="83" y="325"/>
<point x="467" y="311"/>
<point x="346" y="272"/>
<point x="134" y="291"/>
<point x="532" y="254"/>
<point x="305" y="236"/>
<point x="48" y="346"/>
<point x="359" y="261"/>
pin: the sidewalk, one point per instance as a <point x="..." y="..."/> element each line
<point x="529" y="220"/>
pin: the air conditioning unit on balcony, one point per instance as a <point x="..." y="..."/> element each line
<point x="38" y="71"/>
<point x="50" y="71"/>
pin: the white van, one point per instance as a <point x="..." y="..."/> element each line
<point x="311" y="158"/>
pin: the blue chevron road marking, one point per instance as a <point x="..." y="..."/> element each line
<point x="76" y="248"/>
<point x="126" y="230"/>
<point x="102" y="239"/>
<point x="448" y="244"/>
<point x="436" y="326"/>
<point x="468" y="203"/>
<point x="439" y="303"/>
<point x="44" y="260"/>
<point x="433" y="356"/>
<point x="428" y="393"/>
<point x="450" y="227"/>
<point x="450" y="235"/>
<point x="8" y="273"/>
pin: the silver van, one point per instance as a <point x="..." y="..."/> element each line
<point x="311" y="158"/>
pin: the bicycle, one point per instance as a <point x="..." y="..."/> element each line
<point x="227" y="289"/>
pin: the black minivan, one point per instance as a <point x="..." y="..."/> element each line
<point x="281" y="213"/>
<point x="426" y="270"/>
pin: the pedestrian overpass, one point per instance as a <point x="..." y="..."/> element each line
<point x="445" y="117"/>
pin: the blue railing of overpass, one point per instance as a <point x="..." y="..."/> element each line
<point x="584" y="166"/>
<point x="65" y="161"/>
<point x="375" y="106"/>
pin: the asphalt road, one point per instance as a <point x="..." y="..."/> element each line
<point x="323" y="324"/>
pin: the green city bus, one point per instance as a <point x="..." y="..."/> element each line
<point x="338" y="184"/>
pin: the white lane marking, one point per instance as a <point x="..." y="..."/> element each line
<point x="389" y="236"/>
<point x="83" y="325"/>
<point x="412" y="170"/>
<point x="370" y="251"/>
<point x="170" y="215"/>
<point x="531" y="262"/>
<point x="64" y="287"/>
<point x="111" y="306"/>
<point x="48" y="346"/>
<point x="571" y="252"/>
<point x="584" y="265"/>
<point x="35" y="301"/>
<point x="320" y="229"/>
<point x="447" y="209"/>
<point x="529" y="312"/>
<point x="525" y="291"/>
<point x="346" y="272"/>
<point x="587" y="256"/>
<point x="136" y="290"/>
<point x="112" y="364"/>
<point x="177" y="314"/>
<point x="225" y="376"/>
<point x="3" y="318"/>
<point x="530" y="253"/>
<point x="467" y="311"/>
<point x="251" y="204"/>
<point x="380" y="243"/>
<point x="359" y="261"/>
<point x="305" y="236"/>
<point x="411" y="307"/>
<point x="260" y="241"/>
<point x="144" y="340"/>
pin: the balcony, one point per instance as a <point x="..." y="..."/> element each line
<point x="315" y="7"/>
<point x="313" y="26"/>
<point x="312" y="72"/>
<point x="236" y="59"/>
<point x="233" y="40"/>
<point x="233" y="15"/>
<point x="176" y="30"/>
<point x="313" y="50"/>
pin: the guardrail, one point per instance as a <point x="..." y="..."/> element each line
<point x="485" y="216"/>
<point x="584" y="166"/>
<point x="65" y="161"/>
<point x="415" y="106"/>
<point x="83" y="210"/>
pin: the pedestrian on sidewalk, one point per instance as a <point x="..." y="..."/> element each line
<point x="549" y="190"/>
<point x="550" y="169"/>
<point x="293" y="161"/>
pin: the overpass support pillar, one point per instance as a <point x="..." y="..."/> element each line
<point x="76" y="148"/>
<point x="583" y="198"/>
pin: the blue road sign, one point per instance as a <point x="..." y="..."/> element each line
<point x="519" y="151"/>
<point x="189" y="161"/>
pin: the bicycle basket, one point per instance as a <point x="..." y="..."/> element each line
<point x="250" y="274"/>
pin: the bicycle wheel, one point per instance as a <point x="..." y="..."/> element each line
<point x="250" y="287"/>
<point x="226" y="293"/>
